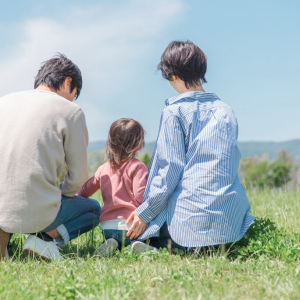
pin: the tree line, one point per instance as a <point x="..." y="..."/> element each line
<point x="254" y="172"/>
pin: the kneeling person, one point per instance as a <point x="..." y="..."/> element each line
<point x="42" y="130"/>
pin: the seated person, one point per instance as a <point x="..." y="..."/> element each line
<point x="193" y="195"/>
<point x="122" y="181"/>
<point x="41" y="131"/>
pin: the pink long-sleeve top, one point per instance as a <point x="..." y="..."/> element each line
<point x="122" y="192"/>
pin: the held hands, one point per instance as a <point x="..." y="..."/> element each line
<point x="138" y="226"/>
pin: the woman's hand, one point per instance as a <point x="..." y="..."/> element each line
<point x="138" y="226"/>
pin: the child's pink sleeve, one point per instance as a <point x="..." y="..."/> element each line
<point x="139" y="181"/>
<point x="91" y="186"/>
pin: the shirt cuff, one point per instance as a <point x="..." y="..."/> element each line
<point x="145" y="213"/>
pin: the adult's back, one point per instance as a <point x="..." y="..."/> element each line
<point x="41" y="130"/>
<point x="37" y="129"/>
<point x="209" y="203"/>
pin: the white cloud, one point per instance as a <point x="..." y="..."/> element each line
<point x="102" y="41"/>
<point x="106" y="42"/>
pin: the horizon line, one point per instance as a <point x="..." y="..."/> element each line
<point x="243" y="141"/>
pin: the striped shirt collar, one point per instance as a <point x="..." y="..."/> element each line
<point x="200" y="96"/>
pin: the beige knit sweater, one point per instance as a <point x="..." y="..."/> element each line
<point x="39" y="132"/>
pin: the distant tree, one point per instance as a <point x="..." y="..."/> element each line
<point x="146" y="159"/>
<point x="295" y="173"/>
<point x="281" y="168"/>
<point x="261" y="173"/>
<point x="96" y="159"/>
<point x="255" y="172"/>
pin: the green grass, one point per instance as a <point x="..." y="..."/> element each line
<point x="281" y="207"/>
<point x="263" y="265"/>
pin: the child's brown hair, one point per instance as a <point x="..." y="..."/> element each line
<point x="125" y="140"/>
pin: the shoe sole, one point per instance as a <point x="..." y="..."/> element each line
<point x="32" y="254"/>
<point x="36" y="247"/>
<point x="106" y="248"/>
<point x="139" y="248"/>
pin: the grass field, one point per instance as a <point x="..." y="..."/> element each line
<point x="255" y="274"/>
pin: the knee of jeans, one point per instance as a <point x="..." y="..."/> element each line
<point x="96" y="220"/>
<point x="98" y="211"/>
<point x="96" y="216"/>
<point x="97" y="207"/>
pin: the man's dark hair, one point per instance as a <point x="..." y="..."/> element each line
<point x="54" y="72"/>
<point x="184" y="60"/>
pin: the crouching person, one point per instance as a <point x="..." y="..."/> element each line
<point x="193" y="197"/>
<point x="41" y="130"/>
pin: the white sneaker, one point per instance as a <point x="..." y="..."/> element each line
<point x="140" y="247"/>
<point x="47" y="250"/>
<point x="106" y="248"/>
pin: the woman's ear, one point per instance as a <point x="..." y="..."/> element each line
<point x="175" y="78"/>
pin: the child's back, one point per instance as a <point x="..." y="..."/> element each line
<point x="122" y="181"/>
<point x="122" y="192"/>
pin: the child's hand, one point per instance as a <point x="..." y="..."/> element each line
<point x="138" y="226"/>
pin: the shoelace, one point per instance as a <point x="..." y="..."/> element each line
<point x="59" y="249"/>
<point x="56" y="244"/>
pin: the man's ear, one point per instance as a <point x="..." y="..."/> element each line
<point x="67" y="82"/>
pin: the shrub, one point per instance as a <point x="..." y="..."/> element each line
<point x="146" y="159"/>
<point x="264" y="238"/>
<point x="261" y="173"/>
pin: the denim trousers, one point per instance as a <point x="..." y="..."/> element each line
<point x="76" y="216"/>
<point x="164" y="237"/>
<point x="118" y="235"/>
<point x="163" y="240"/>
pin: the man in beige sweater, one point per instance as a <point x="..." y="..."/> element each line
<point x="40" y="131"/>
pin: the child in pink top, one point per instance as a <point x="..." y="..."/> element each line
<point x="122" y="181"/>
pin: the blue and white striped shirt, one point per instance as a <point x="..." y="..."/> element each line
<point x="193" y="181"/>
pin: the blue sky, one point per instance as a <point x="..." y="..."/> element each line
<point x="253" y="50"/>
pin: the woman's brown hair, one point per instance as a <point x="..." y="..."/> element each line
<point x="125" y="139"/>
<point x="184" y="60"/>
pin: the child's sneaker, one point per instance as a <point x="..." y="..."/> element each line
<point x="140" y="247"/>
<point x="106" y="248"/>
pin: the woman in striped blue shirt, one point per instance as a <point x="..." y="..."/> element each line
<point x="193" y="194"/>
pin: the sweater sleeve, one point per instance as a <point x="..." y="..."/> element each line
<point x="75" y="146"/>
<point x="91" y="186"/>
<point x="139" y="182"/>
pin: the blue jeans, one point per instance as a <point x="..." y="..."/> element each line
<point x="118" y="235"/>
<point x="76" y="216"/>
<point x="163" y="239"/>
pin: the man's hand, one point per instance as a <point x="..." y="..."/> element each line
<point x="138" y="226"/>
